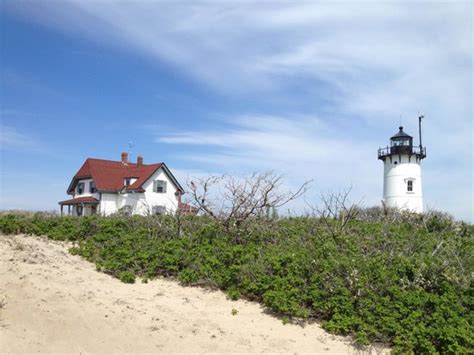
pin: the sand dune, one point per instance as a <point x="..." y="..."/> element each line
<point x="54" y="302"/>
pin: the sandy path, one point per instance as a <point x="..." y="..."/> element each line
<point x="55" y="302"/>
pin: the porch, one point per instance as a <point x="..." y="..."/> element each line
<point x="80" y="206"/>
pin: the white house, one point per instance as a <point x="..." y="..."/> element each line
<point x="105" y="187"/>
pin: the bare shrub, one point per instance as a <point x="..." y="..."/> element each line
<point x="336" y="211"/>
<point x="371" y="214"/>
<point x="233" y="201"/>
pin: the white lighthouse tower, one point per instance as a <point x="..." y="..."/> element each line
<point x="402" y="172"/>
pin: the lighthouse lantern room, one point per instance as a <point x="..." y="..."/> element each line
<point x="402" y="172"/>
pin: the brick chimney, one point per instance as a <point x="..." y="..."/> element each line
<point x="124" y="158"/>
<point x="139" y="160"/>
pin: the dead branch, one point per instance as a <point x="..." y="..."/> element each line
<point x="233" y="200"/>
<point x="336" y="211"/>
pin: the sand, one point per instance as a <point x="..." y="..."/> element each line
<point x="54" y="302"/>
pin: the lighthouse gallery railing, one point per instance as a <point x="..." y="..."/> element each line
<point x="420" y="151"/>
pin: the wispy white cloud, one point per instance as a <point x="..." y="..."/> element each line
<point x="378" y="60"/>
<point x="369" y="61"/>
<point x="266" y="137"/>
<point x="302" y="148"/>
<point x="248" y="41"/>
<point x="306" y="148"/>
<point x="27" y="84"/>
<point x="11" y="138"/>
<point x="17" y="140"/>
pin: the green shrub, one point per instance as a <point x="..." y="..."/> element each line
<point x="407" y="282"/>
<point x="127" y="277"/>
<point x="233" y="293"/>
<point x="188" y="277"/>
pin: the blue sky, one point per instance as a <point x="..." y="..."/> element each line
<point x="308" y="89"/>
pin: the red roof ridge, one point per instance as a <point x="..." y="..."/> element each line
<point x="119" y="162"/>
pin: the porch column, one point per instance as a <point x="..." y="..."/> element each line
<point x="61" y="210"/>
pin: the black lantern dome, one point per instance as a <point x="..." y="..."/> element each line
<point x="402" y="143"/>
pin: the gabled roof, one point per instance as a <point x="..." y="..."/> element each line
<point x="109" y="175"/>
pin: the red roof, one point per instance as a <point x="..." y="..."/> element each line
<point x="79" y="200"/>
<point x="109" y="175"/>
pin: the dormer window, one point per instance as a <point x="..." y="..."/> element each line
<point x="159" y="186"/>
<point x="129" y="181"/>
<point x="92" y="188"/>
<point x="80" y="188"/>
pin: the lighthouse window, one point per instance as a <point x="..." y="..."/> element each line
<point x="410" y="186"/>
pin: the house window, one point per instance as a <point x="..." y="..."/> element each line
<point x="158" y="210"/>
<point x="92" y="188"/>
<point x="80" y="188"/>
<point x="127" y="182"/>
<point x="79" y="210"/>
<point x="159" y="186"/>
<point x="410" y="186"/>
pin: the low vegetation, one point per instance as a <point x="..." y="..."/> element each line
<point x="379" y="276"/>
